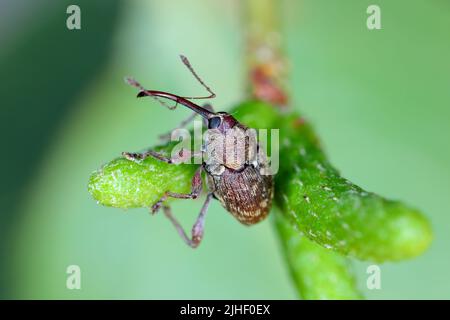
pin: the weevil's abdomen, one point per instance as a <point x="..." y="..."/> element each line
<point x="246" y="194"/>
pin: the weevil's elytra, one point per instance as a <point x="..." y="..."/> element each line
<point x="246" y="194"/>
<point x="234" y="178"/>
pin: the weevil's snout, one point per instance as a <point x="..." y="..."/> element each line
<point x="221" y="121"/>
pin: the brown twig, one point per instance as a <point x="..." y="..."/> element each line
<point x="266" y="66"/>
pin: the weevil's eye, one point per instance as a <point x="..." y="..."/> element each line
<point x="214" y="122"/>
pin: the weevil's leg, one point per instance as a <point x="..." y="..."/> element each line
<point x="185" y="122"/>
<point x="196" y="189"/>
<point x="197" y="229"/>
<point x="166" y="137"/>
<point x="182" y="156"/>
<point x="208" y="106"/>
<point x="138" y="157"/>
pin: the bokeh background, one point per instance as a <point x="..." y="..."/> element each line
<point x="380" y="100"/>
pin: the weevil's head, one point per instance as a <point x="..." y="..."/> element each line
<point x="221" y="121"/>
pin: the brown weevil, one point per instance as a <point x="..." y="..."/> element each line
<point x="240" y="179"/>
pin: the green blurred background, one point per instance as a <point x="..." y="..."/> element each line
<point x="380" y="100"/>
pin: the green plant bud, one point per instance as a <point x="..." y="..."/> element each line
<point x="337" y="214"/>
<point x="122" y="183"/>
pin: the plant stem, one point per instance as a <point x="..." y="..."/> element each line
<point x="266" y="68"/>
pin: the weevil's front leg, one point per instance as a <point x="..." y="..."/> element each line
<point x="197" y="229"/>
<point x="138" y="157"/>
<point x="166" y="137"/>
<point x="196" y="189"/>
<point x="182" y="156"/>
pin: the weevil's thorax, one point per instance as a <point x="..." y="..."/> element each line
<point x="228" y="145"/>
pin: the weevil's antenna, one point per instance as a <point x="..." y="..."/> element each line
<point x="132" y="82"/>
<point x="136" y="84"/>
<point x="204" y="112"/>
<point x="191" y="69"/>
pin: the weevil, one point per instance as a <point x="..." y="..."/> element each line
<point x="243" y="184"/>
